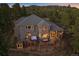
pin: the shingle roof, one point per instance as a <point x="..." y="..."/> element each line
<point x="55" y="27"/>
<point x="33" y="19"/>
<point x="19" y="20"/>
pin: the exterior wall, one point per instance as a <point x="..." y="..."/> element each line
<point x="55" y="35"/>
<point x="16" y="31"/>
<point x="43" y="29"/>
<point x="20" y="31"/>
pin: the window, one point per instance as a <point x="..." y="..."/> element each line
<point x="27" y="35"/>
<point x="29" y="27"/>
<point x="18" y="45"/>
<point x="40" y="35"/>
<point x="33" y="38"/>
<point x="45" y="36"/>
<point x="53" y="34"/>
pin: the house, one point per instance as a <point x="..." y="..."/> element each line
<point x="30" y="27"/>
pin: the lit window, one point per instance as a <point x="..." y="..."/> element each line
<point x="19" y="45"/>
<point x="40" y="35"/>
<point x="45" y="36"/>
<point x="27" y="34"/>
<point x="53" y="34"/>
<point x="26" y="37"/>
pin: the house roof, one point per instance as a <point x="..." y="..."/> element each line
<point x="55" y="27"/>
<point x="33" y="19"/>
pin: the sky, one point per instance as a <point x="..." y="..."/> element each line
<point x="46" y="4"/>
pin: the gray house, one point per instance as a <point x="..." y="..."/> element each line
<point x="34" y="26"/>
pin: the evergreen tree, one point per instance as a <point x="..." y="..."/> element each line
<point x="16" y="11"/>
<point x="5" y="28"/>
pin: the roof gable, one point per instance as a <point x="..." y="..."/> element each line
<point x="32" y="19"/>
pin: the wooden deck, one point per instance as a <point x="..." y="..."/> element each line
<point x="36" y="51"/>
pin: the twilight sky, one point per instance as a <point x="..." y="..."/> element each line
<point x="46" y="4"/>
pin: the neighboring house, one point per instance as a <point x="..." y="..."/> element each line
<point x="34" y="26"/>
